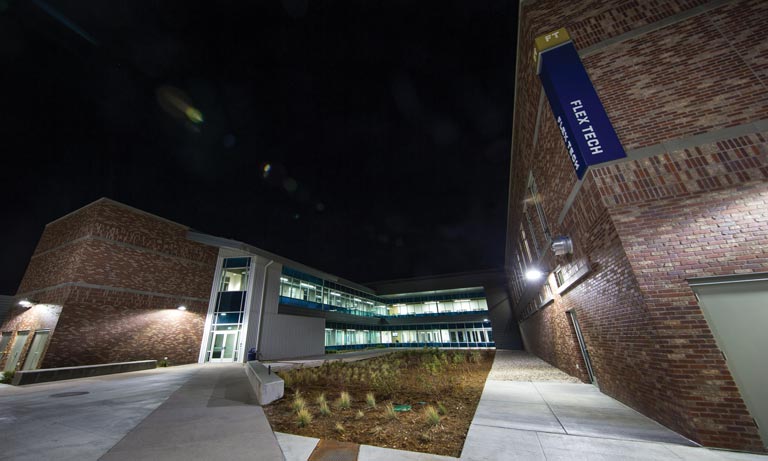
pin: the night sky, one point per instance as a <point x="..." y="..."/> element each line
<point x="369" y="139"/>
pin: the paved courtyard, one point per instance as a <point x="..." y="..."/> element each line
<point x="528" y="411"/>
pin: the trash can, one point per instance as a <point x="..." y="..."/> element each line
<point x="251" y="354"/>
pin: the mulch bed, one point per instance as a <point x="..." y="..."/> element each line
<point x="451" y="379"/>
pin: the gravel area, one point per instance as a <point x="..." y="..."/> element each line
<point x="522" y="366"/>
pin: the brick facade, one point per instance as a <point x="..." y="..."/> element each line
<point x="646" y="224"/>
<point x="107" y="280"/>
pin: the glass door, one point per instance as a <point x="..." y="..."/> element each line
<point x="223" y="346"/>
<point x="18" y="346"/>
<point x="35" y="354"/>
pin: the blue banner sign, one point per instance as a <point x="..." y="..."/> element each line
<point x="587" y="132"/>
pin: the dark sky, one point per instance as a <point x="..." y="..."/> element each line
<point x="386" y="125"/>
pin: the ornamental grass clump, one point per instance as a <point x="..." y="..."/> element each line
<point x="431" y="415"/>
<point x="441" y="409"/>
<point x="345" y="401"/>
<point x="324" y="409"/>
<point x="389" y="411"/>
<point x="303" y="417"/>
<point x="339" y="428"/>
<point x="298" y="404"/>
<point x="370" y="400"/>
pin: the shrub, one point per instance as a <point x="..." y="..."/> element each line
<point x="474" y="357"/>
<point x="359" y="414"/>
<point x="7" y="377"/>
<point x="339" y="428"/>
<point x="303" y="417"/>
<point x="370" y="400"/>
<point x="345" y="401"/>
<point x="431" y="415"/>
<point x="457" y="358"/>
<point x="389" y="411"/>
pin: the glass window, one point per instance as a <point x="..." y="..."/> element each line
<point x="234" y="279"/>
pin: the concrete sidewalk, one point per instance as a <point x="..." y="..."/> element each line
<point x="214" y="415"/>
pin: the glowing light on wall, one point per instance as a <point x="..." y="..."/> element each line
<point x="534" y="274"/>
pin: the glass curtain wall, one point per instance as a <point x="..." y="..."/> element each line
<point x="472" y="334"/>
<point x="227" y="322"/>
<point x="320" y="294"/>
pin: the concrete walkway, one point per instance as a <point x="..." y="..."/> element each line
<point x="83" y="418"/>
<point x="214" y="415"/>
<point x="529" y="410"/>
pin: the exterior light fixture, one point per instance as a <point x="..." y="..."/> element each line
<point x="533" y="274"/>
<point x="485" y="320"/>
<point x="26" y="303"/>
<point x="182" y="308"/>
<point x="562" y="246"/>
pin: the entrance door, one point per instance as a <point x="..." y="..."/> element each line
<point x="35" y="354"/>
<point x="223" y="346"/>
<point x="582" y="346"/>
<point x="4" y="340"/>
<point x="737" y="314"/>
<point x="18" y="346"/>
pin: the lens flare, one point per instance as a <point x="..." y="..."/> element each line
<point x="177" y="104"/>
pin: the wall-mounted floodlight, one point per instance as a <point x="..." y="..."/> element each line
<point x="533" y="274"/>
<point x="182" y="308"/>
<point x="562" y="246"/>
<point x="26" y="303"/>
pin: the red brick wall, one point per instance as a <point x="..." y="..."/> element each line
<point x="647" y="225"/>
<point x="120" y="275"/>
<point x="719" y="232"/>
<point x="102" y="326"/>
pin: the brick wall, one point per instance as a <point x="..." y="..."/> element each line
<point x="118" y="274"/>
<point x="646" y="225"/>
<point x="718" y="232"/>
<point x="103" y="326"/>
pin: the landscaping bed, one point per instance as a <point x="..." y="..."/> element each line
<point x="442" y="389"/>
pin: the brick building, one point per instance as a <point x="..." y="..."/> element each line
<point x="110" y="283"/>
<point x="685" y="214"/>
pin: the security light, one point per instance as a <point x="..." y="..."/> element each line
<point x="182" y="308"/>
<point x="533" y="274"/>
<point x="26" y="303"/>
